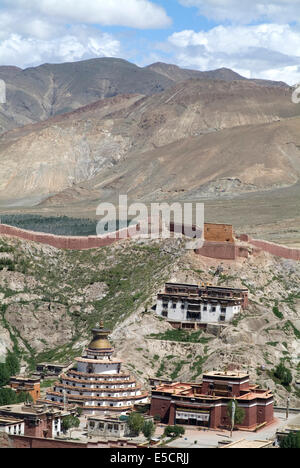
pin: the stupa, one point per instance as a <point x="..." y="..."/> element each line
<point x="98" y="384"/>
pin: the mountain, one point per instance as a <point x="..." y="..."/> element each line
<point x="38" y="93"/>
<point x="177" y="74"/>
<point x="192" y="134"/>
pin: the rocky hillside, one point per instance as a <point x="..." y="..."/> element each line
<point x="177" y="74"/>
<point x="38" y="93"/>
<point x="50" y="300"/>
<point x="195" y="133"/>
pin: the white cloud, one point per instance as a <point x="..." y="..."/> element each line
<point x="141" y="14"/>
<point x="246" y="11"/>
<point x="80" y="43"/>
<point x="37" y="31"/>
<point x="269" y="51"/>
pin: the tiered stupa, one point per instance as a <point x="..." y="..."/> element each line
<point x="98" y="385"/>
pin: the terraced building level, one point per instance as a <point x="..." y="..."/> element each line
<point x="98" y="384"/>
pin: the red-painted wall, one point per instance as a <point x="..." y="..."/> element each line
<point x="218" y="250"/>
<point x="161" y="407"/>
<point x="276" y="250"/>
<point x="34" y="442"/>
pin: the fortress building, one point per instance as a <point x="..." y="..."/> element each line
<point x="206" y="404"/>
<point x="189" y="305"/>
<point x="98" y="384"/>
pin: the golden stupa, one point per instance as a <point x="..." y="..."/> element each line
<point x="100" y="341"/>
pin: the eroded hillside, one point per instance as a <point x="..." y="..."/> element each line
<point x="51" y="299"/>
<point x="195" y="133"/>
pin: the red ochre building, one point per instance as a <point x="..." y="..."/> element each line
<point x="97" y="384"/>
<point x="206" y="404"/>
<point x="31" y="385"/>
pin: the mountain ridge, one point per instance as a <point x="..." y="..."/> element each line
<point x="37" y="93"/>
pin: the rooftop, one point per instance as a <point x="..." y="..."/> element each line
<point x="228" y="374"/>
<point x="29" y="409"/>
<point x="243" y="443"/>
<point x="24" y="379"/>
<point x="7" y="421"/>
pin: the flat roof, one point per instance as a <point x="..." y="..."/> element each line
<point x="7" y="420"/>
<point x="205" y="285"/>
<point x="25" y="379"/>
<point x="229" y="374"/>
<point x="53" y="364"/>
<point x="243" y="443"/>
<point x="28" y="409"/>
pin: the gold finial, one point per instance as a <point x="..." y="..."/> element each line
<point x="100" y="340"/>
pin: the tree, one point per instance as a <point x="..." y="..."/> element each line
<point x="24" y="397"/>
<point x="70" y="422"/>
<point x="283" y="374"/>
<point x="174" y="431"/>
<point x="148" y="429"/>
<point x="292" y="440"/>
<point x="4" y="375"/>
<point x="10" y="397"/>
<point x="135" y="423"/>
<point x="12" y="364"/>
<point x="239" y="413"/>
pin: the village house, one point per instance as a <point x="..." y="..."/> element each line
<point x="12" y="426"/>
<point x="39" y="420"/>
<point x="31" y="385"/>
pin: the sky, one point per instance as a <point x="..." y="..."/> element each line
<point x="256" y="38"/>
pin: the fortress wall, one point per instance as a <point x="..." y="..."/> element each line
<point x="214" y="249"/>
<point x="63" y="242"/>
<point x="276" y="249"/>
<point x="219" y="250"/>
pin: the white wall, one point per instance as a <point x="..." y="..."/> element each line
<point x="212" y="313"/>
<point x="109" y="368"/>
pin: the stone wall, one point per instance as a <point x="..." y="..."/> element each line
<point x="35" y="442"/>
<point x="276" y="250"/>
<point x="219" y="250"/>
<point x="65" y="242"/>
<point x="219" y="241"/>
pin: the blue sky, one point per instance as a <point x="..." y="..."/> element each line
<point x="256" y="38"/>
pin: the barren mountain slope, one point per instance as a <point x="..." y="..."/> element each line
<point x="177" y="74"/>
<point x="239" y="160"/>
<point x="46" y="158"/>
<point x="38" y="93"/>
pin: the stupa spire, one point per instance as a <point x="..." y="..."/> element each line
<point x="100" y="340"/>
